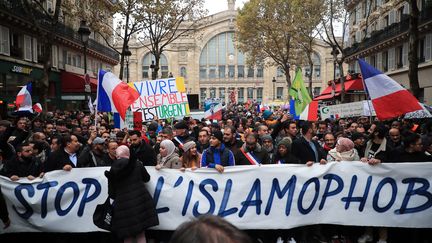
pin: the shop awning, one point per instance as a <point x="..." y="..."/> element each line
<point x="351" y="85"/>
<point x="74" y="83"/>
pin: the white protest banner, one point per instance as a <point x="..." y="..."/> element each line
<point x="250" y="197"/>
<point x="162" y="98"/>
<point x="353" y="109"/>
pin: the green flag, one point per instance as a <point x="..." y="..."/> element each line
<point x="299" y="93"/>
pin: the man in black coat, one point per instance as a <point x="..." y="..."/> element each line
<point x="182" y="134"/>
<point x="251" y="153"/>
<point x="411" y="151"/>
<point x="141" y="150"/>
<point x="306" y="149"/>
<point x="66" y="157"/>
<point x="23" y="164"/>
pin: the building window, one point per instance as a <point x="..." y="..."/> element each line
<point x="399" y="56"/>
<point x="222" y="71"/>
<point x="280" y="72"/>
<point x="385" y="61"/>
<point x="148" y="60"/>
<point x="279" y="92"/>
<point x="316" y="60"/>
<point x="373" y="60"/>
<point x="54" y="56"/>
<point x="231" y="71"/>
<point x="240" y="95"/>
<point x="212" y="93"/>
<point x="27" y="48"/>
<point x="250" y="93"/>
<point x="4" y="41"/>
<point x="260" y="72"/>
<point x="203" y="93"/>
<point x="212" y="72"/>
<point x="316" y="91"/>
<point x="219" y="52"/>
<point x="183" y="72"/>
<point x="421" y="49"/>
<point x="203" y="72"/>
<point x="259" y="94"/>
<point x="250" y="72"/>
<point x="240" y="71"/>
<point x="222" y="93"/>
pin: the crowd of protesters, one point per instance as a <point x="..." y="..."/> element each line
<point x="64" y="140"/>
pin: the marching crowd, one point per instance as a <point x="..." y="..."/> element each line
<point x="64" y="140"/>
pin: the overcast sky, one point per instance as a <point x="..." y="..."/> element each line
<point x="215" y="6"/>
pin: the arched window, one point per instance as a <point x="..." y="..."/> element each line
<point x="316" y="66"/>
<point x="148" y="60"/>
<point x="221" y="59"/>
<point x="183" y="72"/>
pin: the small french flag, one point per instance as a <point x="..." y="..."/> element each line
<point x="37" y="108"/>
<point x="24" y="99"/>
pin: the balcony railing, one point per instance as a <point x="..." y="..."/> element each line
<point x="16" y="8"/>
<point x="387" y="33"/>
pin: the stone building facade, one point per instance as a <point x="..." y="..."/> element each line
<point x="213" y="67"/>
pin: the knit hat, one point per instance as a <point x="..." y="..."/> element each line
<point x="266" y="114"/>
<point x="286" y="141"/>
<point x="187" y="146"/>
<point x="181" y="125"/>
<point x="98" y="140"/>
<point x="218" y="134"/>
<point x="266" y="137"/>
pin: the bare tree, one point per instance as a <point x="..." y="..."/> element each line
<point x="164" y="21"/>
<point x="128" y="21"/>
<point x="413" y="49"/>
<point x="335" y="14"/>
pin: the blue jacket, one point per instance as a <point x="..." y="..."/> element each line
<point x="217" y="156"/>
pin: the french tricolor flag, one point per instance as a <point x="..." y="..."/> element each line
<point x="388" y="97"/>
<point x="310" y="113"/>
<point x="113" y="94"/>
<point x="24" y="99"/>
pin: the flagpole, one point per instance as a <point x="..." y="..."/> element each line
<point x="97" y="98"/>
<point x="368" y="98"/>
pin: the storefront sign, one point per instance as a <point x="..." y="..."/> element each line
<point x="20" y="69"/>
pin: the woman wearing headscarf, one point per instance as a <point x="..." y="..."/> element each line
<point x="344" y="151"/>
<point x="283" y="153"/>
<point x="190" y="158"/>
<point x="167" y="157"/>
<point x="133" y="209"/>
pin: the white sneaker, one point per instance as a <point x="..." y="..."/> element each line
<point x="364" y="238"/>
<point x="382" y="241"/>
<point x="292" y="240"/>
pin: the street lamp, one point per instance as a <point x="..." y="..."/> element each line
<point x="84" y="32"/>
<point x="152" y="67"/>
<point x="334" y="53"/>
<point x="274" y="89"/>
<point x="127" y="54"/>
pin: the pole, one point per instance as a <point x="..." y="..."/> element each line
<point x="334" y="82"/>
<point x="127" y="70"/>
<point x="368" y="99"/>
<point x="274" y="91"/>
<point x="85" y="69"/>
